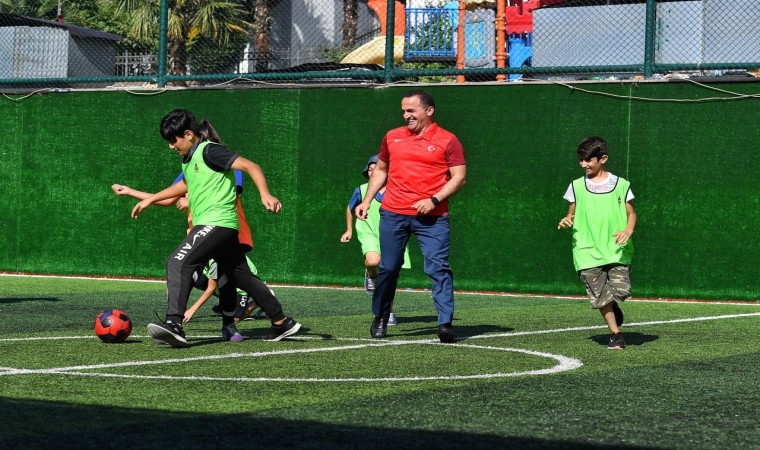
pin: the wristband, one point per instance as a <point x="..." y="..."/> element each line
<point x="435" y="201"/>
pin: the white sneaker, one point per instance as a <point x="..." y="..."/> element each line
<point x="369" y="283"/>
<point x="392" y="319"/>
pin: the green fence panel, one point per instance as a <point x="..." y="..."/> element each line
<point x="691" y="162"/>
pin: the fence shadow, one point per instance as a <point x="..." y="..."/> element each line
<point x="86" y="426"/>
<point x="7" y="300"/>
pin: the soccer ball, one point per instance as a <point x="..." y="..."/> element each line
<point x="113" y="326"/>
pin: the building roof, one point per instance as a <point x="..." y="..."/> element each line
<point x="12" y="20"/>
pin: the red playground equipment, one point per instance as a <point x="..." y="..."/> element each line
<point x="518" y="14"/>
<point x="513" y="22"/>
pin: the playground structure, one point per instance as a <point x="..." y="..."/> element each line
<point x="627" y="37"/>
<point x="373" y="52"/>
<point x="518" y="26"/>
<point x="461" y="31"/>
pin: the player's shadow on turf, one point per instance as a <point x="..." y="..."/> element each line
<point x="28" y="299"/>
<point x="128" y="341"/>
<point x="300" y="336"/>
<point x="630" y="338"/>
<point x="422" y="319"/>
<point x="462" y="332"/>
<point x="249" y="335"/>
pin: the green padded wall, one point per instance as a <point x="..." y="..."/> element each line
<point x="693" y="167"/>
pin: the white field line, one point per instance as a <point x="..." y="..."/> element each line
<point x="481" y="336"/>
<point x="349" y="288"/>
<point x="564" y="363"/>
<point x="599" y="327"/>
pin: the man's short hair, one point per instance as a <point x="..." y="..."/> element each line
<point x="426" y="98"/>
<point x="591" y="147"/>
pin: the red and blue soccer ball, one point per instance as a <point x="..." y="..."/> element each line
<point x="113" y="326"/>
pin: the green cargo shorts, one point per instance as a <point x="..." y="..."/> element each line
<point x="607" y="283"/>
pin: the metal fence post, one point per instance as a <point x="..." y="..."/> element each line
<point x="501" y="41"/>
<point x="390" y="39"/>
<point x="162" y="30"/>
<point x="650" y="38"/>
<point x="460" y="40"/>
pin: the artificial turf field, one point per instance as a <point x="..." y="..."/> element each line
<point x="526" y="372"/>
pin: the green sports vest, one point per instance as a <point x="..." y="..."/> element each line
<point x="370" y="228"/>
<point x="211" y="271"/>
<point x="597" y="218"/>
<point x="211" y="194"/>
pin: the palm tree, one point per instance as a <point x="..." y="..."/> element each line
<point x="262" y="11"/>
<point x="29" y="8"/>
<point x="219" y="21"/>
<point x="350" y="22"/>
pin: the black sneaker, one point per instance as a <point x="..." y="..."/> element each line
<point x="231" y="333"/>
<point x="445" y="334"/>
<point x="279" y="332"/>
<point x="616" y="342"/>
<point x="169" y="333"/>
<point x="618" y="313"/>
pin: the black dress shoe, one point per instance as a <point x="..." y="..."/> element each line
<point x="445" y="334"/>
<point x="379" y="327"/>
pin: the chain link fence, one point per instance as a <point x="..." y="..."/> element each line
<point x="125" y="44"/>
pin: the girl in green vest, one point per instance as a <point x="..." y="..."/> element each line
<point x="209" y="183"/>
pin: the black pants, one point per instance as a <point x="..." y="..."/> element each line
<point x="206" y="242"/>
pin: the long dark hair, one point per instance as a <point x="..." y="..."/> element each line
<point x="208" y="132"/>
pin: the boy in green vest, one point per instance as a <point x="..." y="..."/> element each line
<point x="209" y="183"/>
<point x="602" y="218"/>
<point x="368" y="232"/>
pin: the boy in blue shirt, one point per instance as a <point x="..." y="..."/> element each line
<point x="368" y="233"/>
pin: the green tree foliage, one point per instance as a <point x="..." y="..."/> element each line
<point x="206" y="57"/>
<point x="94" y="14"/>
<point x="192" y="24"/>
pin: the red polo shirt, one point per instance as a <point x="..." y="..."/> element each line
<point x="418" y="167"/>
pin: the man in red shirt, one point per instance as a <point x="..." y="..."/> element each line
<point x="423" y="165"/>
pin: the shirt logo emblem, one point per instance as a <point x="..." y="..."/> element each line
<point x="431" y="148"/>
<point x="196" y="168"/>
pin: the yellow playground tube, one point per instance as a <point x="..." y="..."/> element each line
<point x="373" y="52"/>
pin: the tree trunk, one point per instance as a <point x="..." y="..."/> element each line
<point x="350" y="22"/>
<point x="177" y="57"/>
<point x="263" y="44"/>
